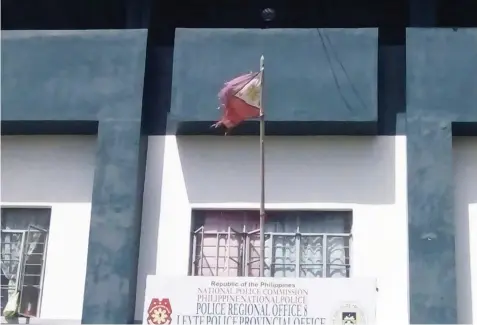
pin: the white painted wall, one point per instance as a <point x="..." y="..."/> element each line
<point x="465" y="177"/>
<point x="57" y="172"/>
<point x="365" y="174"/>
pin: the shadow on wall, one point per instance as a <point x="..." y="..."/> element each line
<point x="150" y="226"/>
<point x="465" y="182"/>
<point x="226" y="170"/>
<point x="47" y="169"/>
<point x="298" y="169"/>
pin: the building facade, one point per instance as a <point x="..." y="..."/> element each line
<point x="110" y="170"/>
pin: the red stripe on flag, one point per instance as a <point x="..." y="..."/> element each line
<point x="236" y="111"/>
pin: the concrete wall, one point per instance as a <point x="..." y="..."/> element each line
<point x="365" y="174"/>
<point x="55" y="172"/>
<point x="441" y="103"/>
<point x="303" y="68"/>
<point x="89" y="82"/>
<point x="306" y="80"/>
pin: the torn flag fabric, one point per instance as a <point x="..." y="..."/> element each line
<point x="240" y="99"/>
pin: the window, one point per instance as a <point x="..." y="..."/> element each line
<point x="24" y="237"/>
<point x="297" y="244"/>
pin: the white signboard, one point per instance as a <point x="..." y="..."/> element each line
<point x="259" y="301"/>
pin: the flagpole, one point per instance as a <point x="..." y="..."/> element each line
<point x="262" y="174"/>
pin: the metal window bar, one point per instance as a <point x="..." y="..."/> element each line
<point x="27" y="307"/>
<point x="16" y="286"/>
<point x="227" y="252"/>
<point x="298" y="252"/>
<point x="341" y="263"/>
<point x="240" y="245"/>
<point x="246" y="258"/>
<point x="298" y="248"/>
<point x="196" y="251"/>
<point x="271" y="240"/>
<point x="237" y="255"/>
<point x="199" y="259"/>
<point x="251" y="249"/>
<point x="310" y="256"/>
<point x="202" y="251"/>
<point x="194" y="254"/>
<point x="324" y="256"/>
<point x="217" y="255"/>
<point x="348" y="255"/>
<point x="23" y="263"/>
<point x="43" y="269"/>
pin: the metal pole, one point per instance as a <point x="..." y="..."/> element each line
<point x="262" y="174"/>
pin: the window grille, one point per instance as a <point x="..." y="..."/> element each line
<point x="24" y="237"/>
<point x="307" y="244"/>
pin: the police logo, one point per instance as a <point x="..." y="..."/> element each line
<point x="349" y="318"/>
<point x="349" y="314"/>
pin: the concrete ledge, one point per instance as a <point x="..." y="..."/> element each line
<point x="277" y="128"/>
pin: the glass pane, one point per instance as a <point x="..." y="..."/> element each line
<point x="336" y="250"/>
<point x="237" y="220"/>
<point x="22" y="218"/>
<point x="311" y="271"/>
<point x="204" y="244"/>
<point x="10" y="251"/>
<point x="229" y="257"/>
<point x="311" y="249"/>
<point x="221" y="255"/>
<point x="311" y="256"/>
<point x="322" y="222"/>
<point x="281" y="222"/>
<point x="283" y="256"/>
<point x="283" y="271"/>
<point x="224" y="256"/>
<point x="254" y="255"/>
<point x="33" y="258"/>
<point x="29" y="300"/>
<point x="338" y="271"/>
<point x="337" y="256"/>
<point x="11" y="244"/>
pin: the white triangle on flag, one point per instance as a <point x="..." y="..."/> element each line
<point x="251" y="93"/>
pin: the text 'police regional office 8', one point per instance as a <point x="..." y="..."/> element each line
<point x="251" y="303"/>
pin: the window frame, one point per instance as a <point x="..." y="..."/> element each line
<point x="196" y="257"/>
<point x="19" y="283"/>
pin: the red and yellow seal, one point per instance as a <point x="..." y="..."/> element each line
<point x="159" y="312"/>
